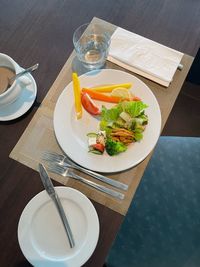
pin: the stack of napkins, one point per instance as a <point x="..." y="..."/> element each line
<point x="143" y="56"/>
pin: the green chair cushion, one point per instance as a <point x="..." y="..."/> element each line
<point x="162" y="226"/>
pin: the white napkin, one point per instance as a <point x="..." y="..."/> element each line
<point x="143" y="56"/>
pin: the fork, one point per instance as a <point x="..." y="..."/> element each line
<point x="66" y="172"/>
<point x="66" y="162"/>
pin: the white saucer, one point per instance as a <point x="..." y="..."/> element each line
<point x="42" y="237"/>
<point x="23" y="103"/>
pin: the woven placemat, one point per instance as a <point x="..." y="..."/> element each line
<point x="39" y="134"/>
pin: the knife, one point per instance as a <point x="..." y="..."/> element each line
<point x="52" y="193"/>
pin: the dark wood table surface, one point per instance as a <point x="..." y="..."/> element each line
<point x="41" y="31"/>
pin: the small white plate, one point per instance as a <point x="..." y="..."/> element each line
<point x="71" y="133"/>
<point x="23" y="103"/>
<point x="42" y="237"/>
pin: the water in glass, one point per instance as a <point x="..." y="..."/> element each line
<point x="93" y="50"/>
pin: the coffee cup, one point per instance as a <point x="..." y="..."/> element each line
<point x="10" y="92"/>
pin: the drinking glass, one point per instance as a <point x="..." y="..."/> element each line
<point x="91" y="43"/>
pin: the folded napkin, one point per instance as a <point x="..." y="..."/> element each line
<point x="143" y="56"/>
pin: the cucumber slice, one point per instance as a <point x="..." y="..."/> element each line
<point x="94" y="151"/>
<point x="92" y="135"/>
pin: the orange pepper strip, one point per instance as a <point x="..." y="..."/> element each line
<point x="77" y="95"/>
<point x="106" y="98"/>
<point x="101" y="96"/>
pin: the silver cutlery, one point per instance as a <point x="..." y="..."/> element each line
<point x="52" y="193"/>
<point x="66" y="172"/>
<point x="66" y="162"/>
<point x="30" y="69"/>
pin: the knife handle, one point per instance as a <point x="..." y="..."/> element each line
<point x="64" y="220"/>
<point x="99" y="187"/>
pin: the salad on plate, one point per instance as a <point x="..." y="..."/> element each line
<point x="119" y="126"/>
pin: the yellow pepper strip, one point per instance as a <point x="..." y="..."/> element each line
<point x="77" y="95"/>
<point x="109" y="88"/>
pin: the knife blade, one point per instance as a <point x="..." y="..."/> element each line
<point x="48" y="185"/>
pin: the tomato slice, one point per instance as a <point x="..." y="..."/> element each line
<point x="99" y="147"/>
<point x="136" y="98"/>
<point x="89" y="104"/>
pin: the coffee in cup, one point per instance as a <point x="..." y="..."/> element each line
<point x="5" y="75"/>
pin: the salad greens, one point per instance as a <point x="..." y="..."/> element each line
<point x="119" y="126"/>
<point x="127" y="114"/>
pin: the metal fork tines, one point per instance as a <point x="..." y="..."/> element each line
<point x="66" y="172"/>
<point x="66" y="162"/>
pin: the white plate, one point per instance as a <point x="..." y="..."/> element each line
<point x="71" y="133"/>
<point x="23" y="103"/>
<point x="41" y="234"/>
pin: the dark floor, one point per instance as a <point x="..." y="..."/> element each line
<point x="184" y="119"/>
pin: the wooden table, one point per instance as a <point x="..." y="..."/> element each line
<point x="31" y="31"/>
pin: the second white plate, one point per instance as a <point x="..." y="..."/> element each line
<point x="42" y="237"/>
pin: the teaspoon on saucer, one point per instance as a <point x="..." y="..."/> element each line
<point x="30" y="69"/>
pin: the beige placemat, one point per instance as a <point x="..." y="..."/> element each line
<point x="39" y="135"/>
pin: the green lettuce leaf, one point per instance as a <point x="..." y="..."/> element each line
<point x="133" y="108"/>
<point x="110" y="115"/>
